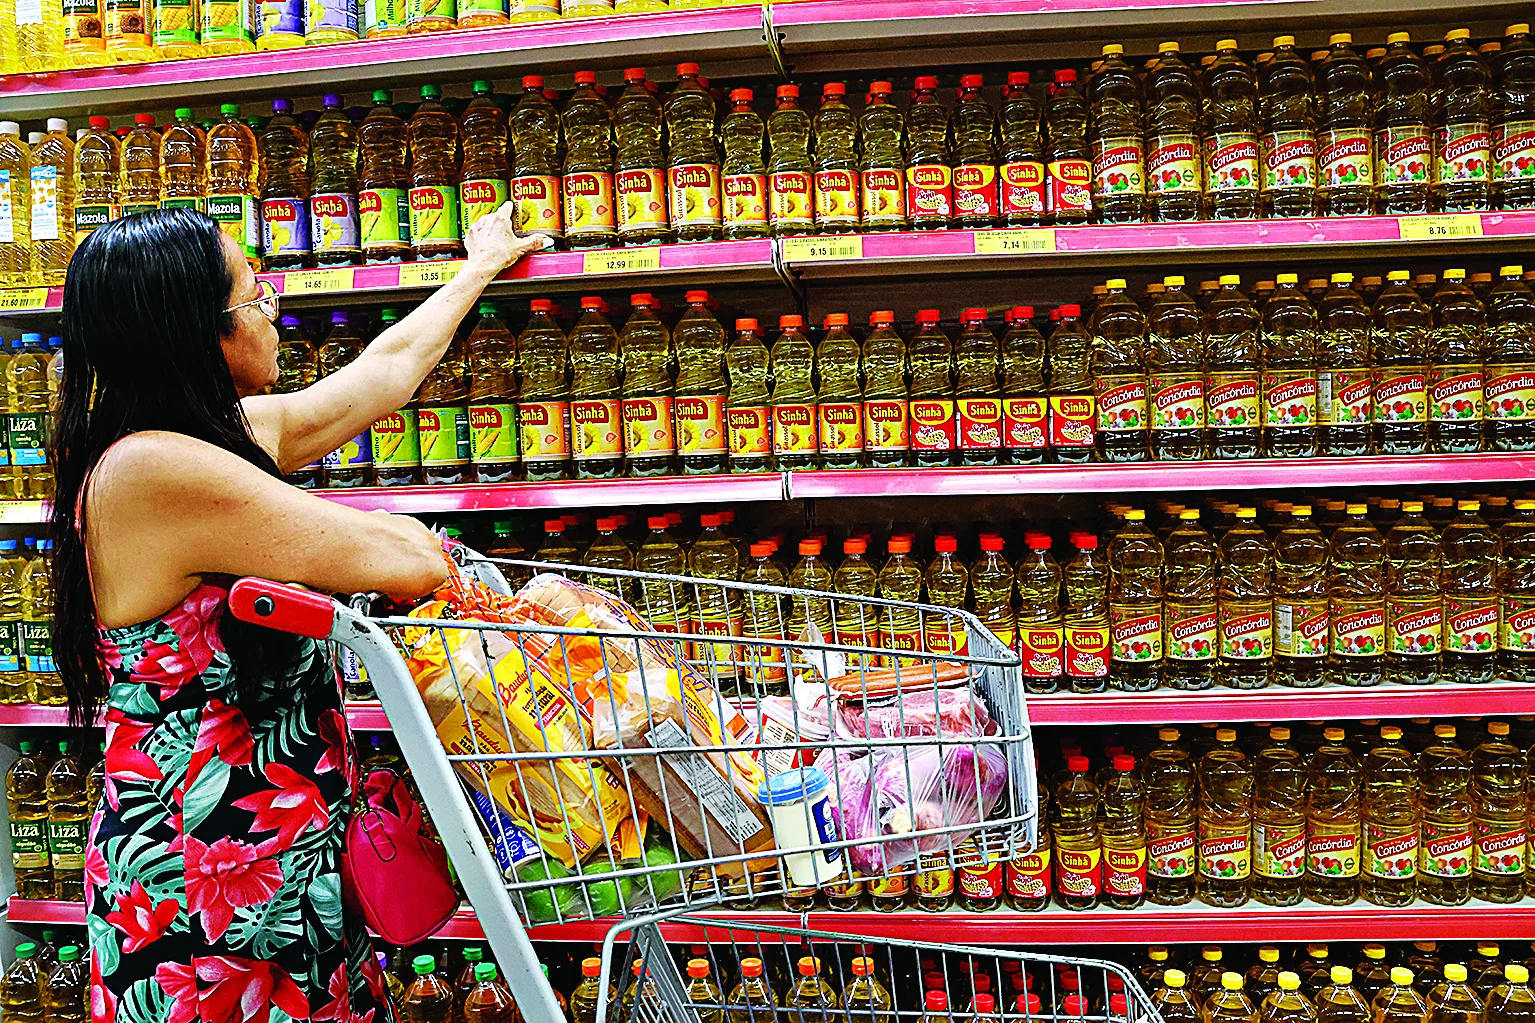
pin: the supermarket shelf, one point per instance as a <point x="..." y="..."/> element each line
<point x="21" y="513"/>
<point x="364" y="716"/>
<point x="1196" y="242"/>
<point x="470" y="497"/>
<point x="1330" y="703"/>
<point x="44" y="911"/>
<point x="714" y="35"/>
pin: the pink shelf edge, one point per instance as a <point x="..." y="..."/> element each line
<point x="562" y="493"/>
<point x="1279" y="704"/>
<point x="815" y="12"/>
<point x="364" y="716"/>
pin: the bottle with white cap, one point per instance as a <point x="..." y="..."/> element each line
<point x="15" y="207"/>
<point x="53" y="204"/>
<point x="40" y="34"/>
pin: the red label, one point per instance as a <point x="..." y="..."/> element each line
<point x="1028" y="876"/>
<point x="1343" y="158"/>
<point x="975" y="191"/>
<point x="1069" y="192"/>
<point x="932" y="424"/>
<point x="1071" y="420"/>
<point x="981" y="881"/>
<point x="1121" y="403"/>
<point x="1403" y="155"/>
<point x="978" y="423"/>
<point x="1117" y="168"/>
<point x="1232" y="401"/>
<point x="1023" y="189"/>
<point x="1231" y="163"/>
<point x="836" y="197"/>
<point x="1124" y="871"/>
<point x="1289" y="398"/>
<point x="1463" y="153"/>
<point x="1024" y="422"/>
<point x="1041" y="648"/>
<point x="1087" y="651"/>
<point x="1078" y="872"/>
<point x="929" y="191"/>
<point x="1170" y="850"/>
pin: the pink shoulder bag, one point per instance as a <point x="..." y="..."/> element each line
<point x="392" y="872"/>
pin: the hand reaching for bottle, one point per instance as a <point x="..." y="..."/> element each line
<point x="493" y="242"/>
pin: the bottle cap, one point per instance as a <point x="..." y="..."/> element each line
<point x="835" y="320"/>
<point x="1468" y="506"/>
<point x="788" y="92"/>
<point x="1336" y="735"/>
<point x="970" y="81"/>
<point x="1168" y="47"/>
<point x="708" y="520"/>
<point x="1357" y="509"/>
<point x="1401" y="976"/>
<point x="1398" y="275"/>
<point x="1444" y="731"/>
<point x="1226" y="279"/>
<point x="1174" y="978"/>
<point x="791" y="320"/>
<point x="1173" y="281"/>
<point x="1065" y="76"/>
<point x="1038" y="541"/>
<point x="834" y="89"/>
<point x="749" y="967"/>
<point x="1017" y="79"/>
<point x="881" y="88"/>
<point x="1343" y="278"/>
<point x="1284" y="41"/>
<point x="541" y="305"/>
<point x="1317" y="950"/>
<point x="927" y="316"/>
<point x="1211" y="953"/>
<point x="592" y="967"/>
<point x="638" y="967"/>
<point x="1226" y="44"/>
<point x="1498" y="728"/>
<point x="1510" y="271"/>
<point x="1456" y="972"/>
<point x="1341" y="975"/>
<point x="698" y="968"/>
<point x="686" y="68"/>
<point x="740" y="95"/>
<point x="936" y="1001"/>
<point x="1513" y="972"/>
<point x="1231" y="981"/>
<point x="1167" y="735"/>
<point x="881" y="317"/>
<point x="1115" y="282"/>
<point x="1085" y="542"/>
<point x="1225" y="735"/>
<point x="1112" y="49"/>
<point x="1135" y="515"/>
<point x="926" y="83"/>
<point x="1189" y="515"/>
<point x="1071" y="309"/>
<point x="973" y="316"/>
<point x="1412" y="506"/>
<point x="1076" y="764"/>
<point x="1286" y="279"/>
<point x="746" y="324"/>
<point x="1268" y="954"/>
<point x="644" y="298"/>
<point x="1340" y="38"/>
<point x="991" y="544"/>
<point x="809" y="966"/>
<point x="1395" y="38"/>
<point x="484" y="973"/>
<point x="1371" y="951"/>
<point x="854" y="545"/>
<point x="1124" y="762"/>
<point x="422" y="965"/>
<point x="945" y="544"/>
<point x="810" y="548"/>
<point x="1518" y="29"/>
<point x="657" y="522"/>
<point x="695" y="298"/>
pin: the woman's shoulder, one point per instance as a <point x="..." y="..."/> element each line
<point x="163" y="463"/>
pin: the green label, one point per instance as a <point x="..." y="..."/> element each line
<point x="66" y="842"/>
<point x="379" y="16"/>
<point x="130" y="208"/>
<point x="5" y="440"/>
<point x="182" y="204"/>
<point x="239" y="217"/>
<point x="444" y="434"/>
<point x="422" y="10"/>
<point x="10" y="646"/>
<point x="37" y="646"/>
<point x="29" y="843"/>
<point x="493" y="433"/>
<point x="384" y="216"/>
<point x="27" y="444"/>
<point x="175" y="22"/>
<point x="481" y="7"/>
<point x="226" y="20"/>
<point x="395" y="442"/>
<point x="479" y="196"/>
<point x="88" y="218"/>
<point x="434" y="214"/>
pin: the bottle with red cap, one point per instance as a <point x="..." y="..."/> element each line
<point x="699" y="409"/>
<point x="1025" y="405"/>
<point x="1135" y="604"/>
<point x="977" y="392"/>
<point x="991" y="585"/>
<point x="1040" y="637"/>
<point x="1173" y="164"/>
<point x="1116" y="105"/>
<point x="947" y="581"/>
<point x="791" y="361"/>
<point x="974" y="127"/>
<point x="810" y="573"/>
<point x="543" y="410"/>
<point x="609" y="550"/>
<point x="1232" y="175"/>
<point x="1119" y="376"/>
<point x="929" y="179"/>
<point x="590" y="217"/>
<point x="836" y="163"/>
<point x="900" y="628"/>
<point x="693" y="175"/>
<point x="666" y="606"/>
<point x="650" y="444"/>
<point x="931" y="356"/>
<point x="98" y="175"/>
<point x="1074" y="835"/>
<point x="1086" y="617"/>
<point x="839" y="404"/>
<point x="596" y="414"/>
<point x="748" y="417"/>
<point x="639" y="167"/>
<point x="743" y="183"/>
<point x="1124" y="834"/>
<point x="762" y="618"/>
<point x="714" y="555"/>
<point x="856" y="622"/>
<point x="791" y="182"/>
<point x="886" y="428"/>
<point x="1021" y="200"/>
<point x="1068" y="162"/>
<point x="882" y="164"/>
<point x="1028" y="878"/>
<point x="535" y="132"/>
<point x="1073" y="402"/>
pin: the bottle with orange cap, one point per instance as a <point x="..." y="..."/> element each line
<point x="667" y="606"/>
<point x="543" y="411"/>
<point x="639" y="169"/>
<point x="1345" y="163"/>
<point x="1135" y="558"/>
<point x="929" y="179"/>
<point x="977" y="391"/>
<point x="590" y="217"/>
<point x="1025" y="405"/>
<point x="974" y="127"/>
<point x="1086" y="617"/>
<point x="947" y="581"/>
<point x="886" y="428"/>
<point x="882" y="164"/>
<point x="866" y="998"/>
<point x="856" y="622"/>
<point x="714" y="555"/>
<point x="748" y="416"/>
<point x="699" y="408"/>
<point x="811" y="992"/>
<point x="835" y="131"/>
<point x="703" y="994"/>
<point x="791" y="363"/>
<point x="839" y="404"/>
<point x="791" y="182"/>
<point x="596" y="418"/>
<point x="1073" y="406"/>
<point x="763" y="618"/>
<point x="810" y="573"/>
<point x="535" y="133"/>
<point x="900" y="578"/>
<point x="1231" y="172"/>
<point x="1119" y="375"/>
<point x="583" y="1000"/>
<point x="650" y="445"/>
<point x="991" y="586"/>
<point x="1115" y="102"/>
<point x="1021" y="199"/>
<point x="693" y="174"/>
<point x="743" y="181"/>
<point x="931" y="356"/>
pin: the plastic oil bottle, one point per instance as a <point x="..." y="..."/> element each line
<point x="693" y="175"/>
<point x="1287" y="109"/>
<point x="1514" y="103"/>
<point x="1399" y="1002"/>
<point x="493" y="433"/>
<point x="15" y="207"/>
<point x="52" y="195"/>
<point x="886" y="422"/>
<point x="1289" y="372"/>
<point x="977" y="391"/>
<point x="442" y="419"/>
<point x="929" y="179"/>
<point x="429" y="999"/>
<point x="791" y="188"/>
<point x="40" y="36"/>
<point x="25" y="791"/>
<point x="535" y="130"/>
<point x="834" y="130"/>
<point x="141" y="166"/>
<point x="1135" y="558"/>
<point x="1345" y="164"/>
<point x="1511" y="1001"/>
<point x="900" y="578"/>
<point x="1401" y="343"/>
<point x="1025" y="405"/>
<point x="973" y="126"/>
<point x="1074" y="834"/>
<point x="640" y="164"/>
<point x="65" y="991"/>
<point x="1072" y="415"/>
<point x="667" y="606"/>
<point x="1246" y="604"/>
<point x="703" y="993"/>
<point x="285" y="190"/>
<point x="1173" y="1001"/>
<point x="1230" y="1003"/>
<point x="1119" y="376"/>
<point x="699" y="408"/>
<point x="234" y="194"/>
<point x="715" y="556"/>
<point x="991" y="584"/>
<point x="1403" y="137"/>
<point x="482" y="186"/>
<point x="489" y="1001"/>
<point x="1445" y="820"/>
<point x="811" y="994"/>
<point x="743" y="182"/>
<point x="1333" y="815"/>
<point x="1232" y="174"/>
<point x="1356" y="600"/>
<point x="1041" y="639"/>
<point x="839" y="402"/>
<point x="1390" y="821"/>
<point x="383" y="179"/>
<point x="1086" y="617"/>
<point x="26" y="384"/>
<point x="1510" y="350"/>
<point x="1456" y="407"/>
<point x="590" y="212"/>
<point x="1453" y="1000"/>
<point x="596" y="411"/>
<point x="333" y="206"/>
<point x="1300" y="601"/>
<point x="1338" y="1001"/>
<point x="1286" y="1004"/>
<point x="882" y="162"/>
<point x="1234" y="389"/>
<point x="583" y="1000"/>
<point x="931" y="357"/>
<point x="1463" y="168"/>
<point x="1068" y="161"/>
<point x="183" y="164"/>
<point x="15" y="684"/>
<point x="1117" y="106"/>
<point x="763" y="619"/>
<point x="350" y="465"/>
<point x="1022" y="193"/>
<point x="1175" y="366"/>
<point x="609" y="550"/>
<point x="396" y="446"/>
<point x="543" y="409"/>
<point x="1279" y="821"/>
<point x="69" y="822"/>
<point x="1173" y="164"/>
<point x="650" y="444"/>
<point x="1468" y="584"/>
<point x="1189" y="589"/>
<point x="20" y="992"/>
<point x="748" y="417"/>
<point x="1225" y="823"/>
<point x="854" y="622"/>
<point x="433" y="138"/>
<point x="1345" y="385"/>
<point x="1498" y="818"/>
<point x="1123" y="835"/>
<point x="791" y="359"/>
<point x="947" y="580"/>
<point x="1171" y="821"/>
<point x="753" y="999"/>
<point x="1414" y="609"/>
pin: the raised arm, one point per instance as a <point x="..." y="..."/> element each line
<point x="304" y="426"/>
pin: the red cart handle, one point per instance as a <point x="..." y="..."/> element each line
<point x="263" y="602"/>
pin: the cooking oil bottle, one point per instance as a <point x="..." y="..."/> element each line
<point x="791" y="182"/>
<point x="753" y="1000"/>
<point x="1085" y="623"/>
<point x="650" y="445"/>
<point x="1025" y="406"/>
<point x="40" y="36"/>
<point x="1445" y="820"/>
<point x="748" y="417"/>
<point x="640" y="173"/>
<point x="811" y="993"/>
<point x="1279" y="821"/>
<point x="810" y="573"/>
<point x="52" y="194"/>
<point x="718" y="612"/>
<point x="973" y="127"/>
<point x="543" y="409"/>
<point x="1356" y="600"/>
<point x="1510" y="351"/>
<point x="743" y="181"/>
<point x="234" y="193"/>
<point x="1286" y="1004"/>
<point x="1337" y="999"/>
<point x="1399" y="1002"/>
<point x="1171" y="821"/>
<point x="977" y="391"/>
<point x="1041" y="640"/>
<point x="433" y="137"/>
<point x="534" y="127"/>
<point x="16" y="202"/>
<point x="141" y="166"/>
<point x="1300" y="601"/>
<point x="900" y="578"/>
<point x="183" y="164"/>
<point x="791" y="360"/>
<point x="1345" y="163"/>
<point x="1225" y="822"/>
<point x="1498" y="818"/>
<point x="1072" y="403"/>
<point x="384" y="180"/>
<point x="931" y="357"/>
<point x="1123" y="835"/>
<point x="98" y="170"/>
<point x="590" y="212"/>
<point x="609" y="550"/>
<point x="596" y="412"/>
<point x="15" y="684"/>
<point x="1189" y="591"/>
<point x="84" y="45"/>
<point x="1468" y="584"/>
<point x="1287" y="107"/>
<point x="1345" y="385"/>
<point x="442" y="419"/>
<point x="1074" y="834"/>
<point x="763" y="619"/>
<point x="1233" y="350"/>
<point x="1453" y="1000"/>
<point x="350" y="465"/>
<point x="483" y="177"/>
<point x="699" y="408"/>
<point x="1456" y="406"/>
<point x="1231" y="173"/>
<point x="839" y="403"/>
<point x="1022" y="195"/>
<point x="68" y="825"/>
<point x="947" y="581"/>
<point x="26" y="385"/>
<point x="1119" y="376"/>
<point x="929" y="179"/>
<point x="1173" y="165"/>
<point x="1173" y="1001"/>
<point x="1333" y="814"/>
<point x="1067" y="156"/>
<point x="693" y="176"/>
<point x="333" y="204"/>
<point x="854" y="622"/>
<point x="882" y="162"/>
<point x="1414" y="608"/>
<point x="1116" y="103"/>
<point x="1246" y="604"/>
<point x="886" y="424"/>
<point x="1511" y="1001"/>
<point x="285" y="190"/>
<point x="1175" y="363"/>
<point x="666" y="605"/>
<point x="1401" y="343"/>
<point x="1135" y="604"/>
<point x="1289" y="372"/>
<point x="25" y="790"/>
<point x="491" y="353"/>
<point x="1404" y="153"/>
<point x="1390" y="821"/>
<point x="835" y="130"/>
<point x="396" y="445"/>
<point x="991" y="584"/>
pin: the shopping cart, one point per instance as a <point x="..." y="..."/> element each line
<point x="587" y="762"/>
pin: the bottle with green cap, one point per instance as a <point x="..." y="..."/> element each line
<point x="433" y="138"/>
<point x="482" y="186"/>
<point x="473" y="956"/>
<point x="27" y="801"/>
<point x="1512" y="1001"/>
<point x="234" y="191"/>
<point x="492" y="354"/>
<point x="333" y="147"/>
<point x="20" y="991"/>
<point x="489" y="1001"/>
<point x="64" y="991"/>
<point x="428" y="999"/>
<point x="15" y="684"/>
<point x="383" y="180"/>
<point x="1510" y="386"/>
<point x="430" y="16"/>
<point x="68" y="825"/>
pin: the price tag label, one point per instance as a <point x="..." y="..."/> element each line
<point x="336" y="279"/>
<point x="621" y="261"/>
<point x="24" y="511"/>
<point x="810" y="250"/>
<point x="1445" y="225"/>
<point x="21" y="299"/>
<point x="1006" y="243"/>
<point x="428" y="274"/>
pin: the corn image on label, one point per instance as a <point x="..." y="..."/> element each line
<point x="693" y="194"/>
<point x="434" y="214"/>
<point x="544" y="430"/>
<point x="228" y="21"/>
<point x="479" y="196"/>
<point x="383" y="17"/>
<point x="493" y="433"/>
<point x="648" y="426"/>
<point x="700" y="424"/>
<point x="589" y="204"/>
<point x="444" y="436"/>
<point x="537" y="199"/>
<point x="395" y="443"/>
<point x="443" y="12"/>
<point x="384" y="219"/>
<point x="596" y="428"/>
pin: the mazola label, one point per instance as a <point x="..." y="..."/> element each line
<point x="383" y="216"/>
<point x="1470" y="625"/>
<point x="884" y="196"/>
<point x="641" y="200"/>
<point x="1412" y="629"/>
<point x="1300" y="629"/>
<point x="932" y="424"/>
<point x="1401" y="399"/>
<point x="1124" y="871"/>
<point x="746" y="198"/>
<point x="1390" y="852"/>
<point x="1359" y="633"/>
<point x="1170" y="850"/>
<point x="1121" y="402"/>
<point x="1191" y="632"/>
<point x="693" y="193"/>
<point x="1028" y="876"/>
<point x="1279" y="850"/>
<point x="1173" y="165"/>
<point x="975" y="190"/>
<point x="1332" y="853"/>
<point x="1022" y="189"/>
<point x="1403" y="155"/>
<point x="836" y="197"/>
<point x="794" y="430"/>
<point x="1289" y="398"/>
<point x="596" y="428"/>
<point x="1289" y="160"/>
<point x="1117" y="168"/>
<point x="648" y="427"/>
<point x="1344" y="158"/>
<point x="1345" y="397"/>
<point x="1510" y="392"/>
<point x="1069" y="192"/>
<point x="1078" y="872"/>
<point x="792" y="199"/>
<point x="1025" y="422"/>
<point x="978" y="423"/>
<point x="1072" y="420"/>
<point x="1463" y="152"/>
<point x="1455" y="395"/>
<point x="1232" y="402"/>
<point x="1246" y="636"/>
<point x="1087" y="651"/>
<point x="700" y="422"/>
<point x="1041" y="649"/>
<point x="1444" y="850"/>
<point x="1177" y="402"/>
<point x="1231" y="163"/>
<point x="1136" y="636"/>
<point x="929" y="191"/>
<point x="1225" y="854"/>
<point x="885" y="425"/>
<point x="750" y="430"/>
<point x="590" y="206"/>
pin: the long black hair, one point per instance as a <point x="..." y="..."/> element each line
<point x="144" y="305"/>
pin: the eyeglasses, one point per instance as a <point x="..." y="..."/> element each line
<point x="267" y="303"/>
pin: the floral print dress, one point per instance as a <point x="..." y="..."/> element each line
<point x="213" y="882"/>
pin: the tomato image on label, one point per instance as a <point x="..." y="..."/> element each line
<point x="1412" y="629"/>
<point x="1289" y="160"/>
<point x="1359" y="633"/>
<point x="1224" y="854"/>
<point x="1470" y="626"/>
<point x="1232" y="401"/>
<point x="1498" y="852"/>
<point x="1178" y="402"/>
<point x="1231" y="163"/>
<point x="1121" y="403"/>
<point x="1117" y="167"/>
<point x="1444" y="851"/>
<point x="1402" y="155"/>
<point x="1173" y="165"/>
<point x="1137" y="636"/>
<point x="1345" y="397"/>
<point x="1279" y="850"/>
<point x="1511" y="394"/>
<point x="1402" y="399"/>
<point x="1463" y="152"/>
<point x="1289" y="399"/>
<point x="1300" y="629"/>
<point x="1456" y="395"/>
<point x="1331" y="853"/>
<point x="1390" y="852"/>
<point x="1170" y="850"/>
<point x="1191" y="633"/>
<point x="1246" y="636"/>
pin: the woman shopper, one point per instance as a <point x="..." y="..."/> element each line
<point x="212" y="874"/>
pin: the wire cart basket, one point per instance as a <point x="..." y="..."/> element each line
<point x="712" y="745"/>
